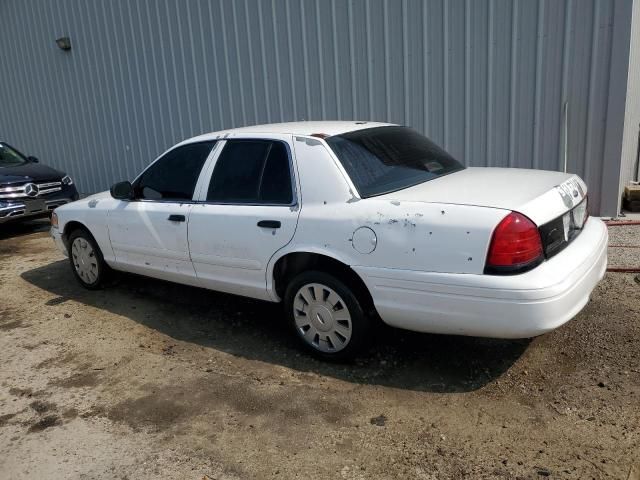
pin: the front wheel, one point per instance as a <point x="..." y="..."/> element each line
<point x="86" y="260"/>
<point x="326" y="315"/>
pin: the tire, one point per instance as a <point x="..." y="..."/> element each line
<point x="326" y="316"/>
<point x="87" y="262"/>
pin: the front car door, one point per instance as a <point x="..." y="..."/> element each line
<point x="247" y="212"/>
<point x="149" y="233"/>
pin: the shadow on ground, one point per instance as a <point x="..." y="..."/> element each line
<point x="256" y="330"/>
<point x="20" y="228"/>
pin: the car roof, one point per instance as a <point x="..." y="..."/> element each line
<point x="328" y="128"/>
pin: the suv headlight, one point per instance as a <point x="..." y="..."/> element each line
<point x="66" y="180"/>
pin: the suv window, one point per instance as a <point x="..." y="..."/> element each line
<point x="385" y="159"/>
<point x="252" y="171"/>
<point x="10" y="157"/>
<point x="174" y="176"/>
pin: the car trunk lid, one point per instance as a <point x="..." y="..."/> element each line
<point x="543" y="196"/>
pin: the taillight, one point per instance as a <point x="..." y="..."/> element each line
<point x="515" y="246"/>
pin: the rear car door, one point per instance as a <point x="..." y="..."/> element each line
<point x="247" y="212"/>
<point x="149" y="233"/>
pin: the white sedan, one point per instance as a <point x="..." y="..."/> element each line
<point x="347" y="223"/>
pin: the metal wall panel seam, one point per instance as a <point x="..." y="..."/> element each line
<point x="67" y="131"/>
<point x="291" y="62"/>
<point x="163" y="62"/>
<point x="241" y="77"/>
<point x="81" y="97"/>
<point x="334" y="32"/>
<point x="425" y="67"/>
<point x="566" y="45"/>
<point x="205" y="67"/>
<point x="592" y="74"/>
<point x="34" y="93"/>
<point x="132" y="131"/>
<point x="93" y="77"/>
<point x="538" y="74"/>
<point x="387" y="69"/>
<point x="194" y="69"/>
<point x="467" y="82"/>
<point x="40" y="138"/>
<point x="216" y="63"/>
<point x="369" y="60"/>
<point x="252" y="73"/>
<point x="115" y="94"/>
<point x="15" y="117"/>
<point x="225" y="50"/>
<point x="405" y="62"/>
<point x="323" y="98"/>
<point x="143" y="148"/>
<point x="445" y="72"/>
<point x="354" y="100"/>
<point x="513" y="82"/>
<point x="276" y="50"/>
<point x="305" y="59"/>
<point x="489" y="154"/>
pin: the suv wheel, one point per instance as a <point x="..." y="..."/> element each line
<point x="326" y="315"/>
<point x="86" y="259"/>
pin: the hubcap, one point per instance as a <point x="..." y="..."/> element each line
<point x="322" y="318"/>
<point x="84" y="260"/>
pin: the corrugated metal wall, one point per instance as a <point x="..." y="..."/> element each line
<point x="632" y="112"/>
<point x="486" y="79"/>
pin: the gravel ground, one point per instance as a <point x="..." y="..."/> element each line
<point x="147" y="379"/>
<point x="625" y="246"/>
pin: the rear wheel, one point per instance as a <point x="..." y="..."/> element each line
<point x="326" y="315"/>
<point x="86" y="259"/>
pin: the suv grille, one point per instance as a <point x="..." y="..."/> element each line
<point x="29" y="190"/>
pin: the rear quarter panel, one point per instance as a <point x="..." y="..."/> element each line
<point x="410" y="235"/>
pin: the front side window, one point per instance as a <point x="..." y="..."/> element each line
<point x="253" y="172"/>
<point x="386" y="159"/>
<point x="10" y="157"/>
<point x="174" y="176"/>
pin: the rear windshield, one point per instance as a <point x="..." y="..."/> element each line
<point x="10" y="157"/>
<point x="385" y="159"/>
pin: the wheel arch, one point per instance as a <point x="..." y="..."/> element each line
<point x="71" y="227"/>
<point x="291" y="263"/>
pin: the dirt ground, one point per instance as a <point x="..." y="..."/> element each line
<point x="148" y="379"/>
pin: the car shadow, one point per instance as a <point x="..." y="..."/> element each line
<point x="256" y="330"/>
<point x="25" y="227"/>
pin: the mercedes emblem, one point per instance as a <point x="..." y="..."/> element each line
<point x="31" y="190"/>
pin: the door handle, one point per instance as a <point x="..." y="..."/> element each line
<point x="269" y="224"/>
<point x="176" y="218"/>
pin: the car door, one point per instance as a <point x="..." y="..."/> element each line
<point x="247" y="212"/>
<point x="149" y="232"/>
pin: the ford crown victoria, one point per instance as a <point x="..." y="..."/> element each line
<point x="347" y="223"/>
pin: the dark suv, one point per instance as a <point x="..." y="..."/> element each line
<point x="28" y="189"/>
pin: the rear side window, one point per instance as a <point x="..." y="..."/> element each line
<point x="386" y="159"/>
<point x="173" y="176"/>
<point x="252" y="171"/>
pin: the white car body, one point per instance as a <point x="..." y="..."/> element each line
<point x="420" y="251"/>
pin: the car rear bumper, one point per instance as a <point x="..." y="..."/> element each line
<point x="517" y="306"/>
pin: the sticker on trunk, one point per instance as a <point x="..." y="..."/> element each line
<point x="571" y="192"/>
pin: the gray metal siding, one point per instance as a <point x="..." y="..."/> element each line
<point x="632" y="112"/>
<point x="484" y="78"/>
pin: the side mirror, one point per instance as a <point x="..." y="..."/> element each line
<point x="33" y="159"/>
<point x="121" y="191"/>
